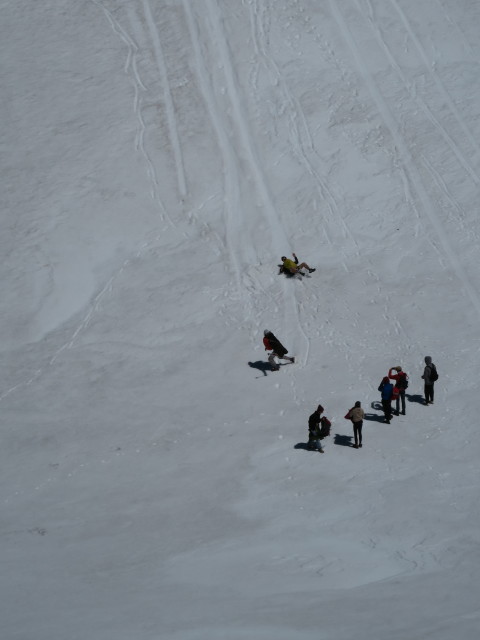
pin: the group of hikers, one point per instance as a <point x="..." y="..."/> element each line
<point x="392" y="387"/>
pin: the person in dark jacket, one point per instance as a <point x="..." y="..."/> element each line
<point x="314" y="430"/>
<point x="356" y="415"/>
<point x="401" y="382"/>
<point x="273" y="344"/>
<point x="427" y="379"/>
<point x="386" y="389"/>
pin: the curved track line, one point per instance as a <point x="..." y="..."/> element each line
<point x="408" y="160"/>
<point x="139" y="87"/>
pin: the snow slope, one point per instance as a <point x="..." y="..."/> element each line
<point x="158" y="159"/>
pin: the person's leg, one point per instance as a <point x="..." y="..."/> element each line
<point x="272" y="361"/>
<point x="402" y="396"/>
<point x="397" y="405"/>
<point x="355" y="434"/>
<point x="304" y="265"/>
<point x="431" y="393"/>
<point x="360" y="425"/>
<point x="385" y="410"/>
<point x="428" y="393"/>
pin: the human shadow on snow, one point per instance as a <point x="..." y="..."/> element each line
<point x="264" y="367"/>
<point x="375" y="417"/>
<point x="261" y="365"/>
<point x="303" y="445"/>
<point x="343" y="441"/>
<point x="415" y="398"/>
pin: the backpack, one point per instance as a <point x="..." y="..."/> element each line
<point x="325" y="428"/>
<point x="402" y="382"/>
<point x="433" y="373"/>
<point x="347" y="415"/>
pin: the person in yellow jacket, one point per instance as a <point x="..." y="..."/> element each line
<point x="292" y="266"/>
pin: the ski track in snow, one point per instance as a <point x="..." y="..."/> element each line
<point x="300" y="136"/>
<point x="231" y="197"/>
<point x="462" y="38"/>
<point x="131" y="69"/>
<point x="414" y="95"/>
<point x="212" y="19"/>
<point x="304" y="150"/>
<point x="167" y="98"/>
<point x="408" y="162"/>
<point x="438" y="82"/>
<point x="214" y="96"/>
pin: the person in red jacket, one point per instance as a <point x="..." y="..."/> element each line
<point x="273" y="344"/>
<point x="401" y="382"/>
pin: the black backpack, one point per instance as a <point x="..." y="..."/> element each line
<point x="433" y="373"/>
<point x="325" y="428"/>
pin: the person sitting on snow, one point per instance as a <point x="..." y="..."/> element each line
<point x="292" y="267"/>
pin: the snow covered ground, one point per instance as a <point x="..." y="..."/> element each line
<point x="158" y="157"/>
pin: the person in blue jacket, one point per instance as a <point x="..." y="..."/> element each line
<point x="386" y="389"/>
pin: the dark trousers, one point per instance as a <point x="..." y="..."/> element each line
<point x="428" y="393"/>
<point x="357" y="431"/>
<point x="401" y="397"/>
<point x="387" y="408"/>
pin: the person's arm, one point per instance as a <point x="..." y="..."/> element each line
<point x="295" y="258"/>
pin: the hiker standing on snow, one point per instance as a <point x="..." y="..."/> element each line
<point x="356" y="415"/>
<point x="318" y="428"/>
<point x="273" y="344"/>
<point x="386" y="389"/>
<point x="401" y="382"/>
<point x="429" y="377"/>
<point x="292" y="267"/>
<point x="314" y="443"/>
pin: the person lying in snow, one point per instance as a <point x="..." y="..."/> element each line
<point x="291" y="267"/>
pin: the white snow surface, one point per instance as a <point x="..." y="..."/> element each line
<point x="158" y="157"/>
